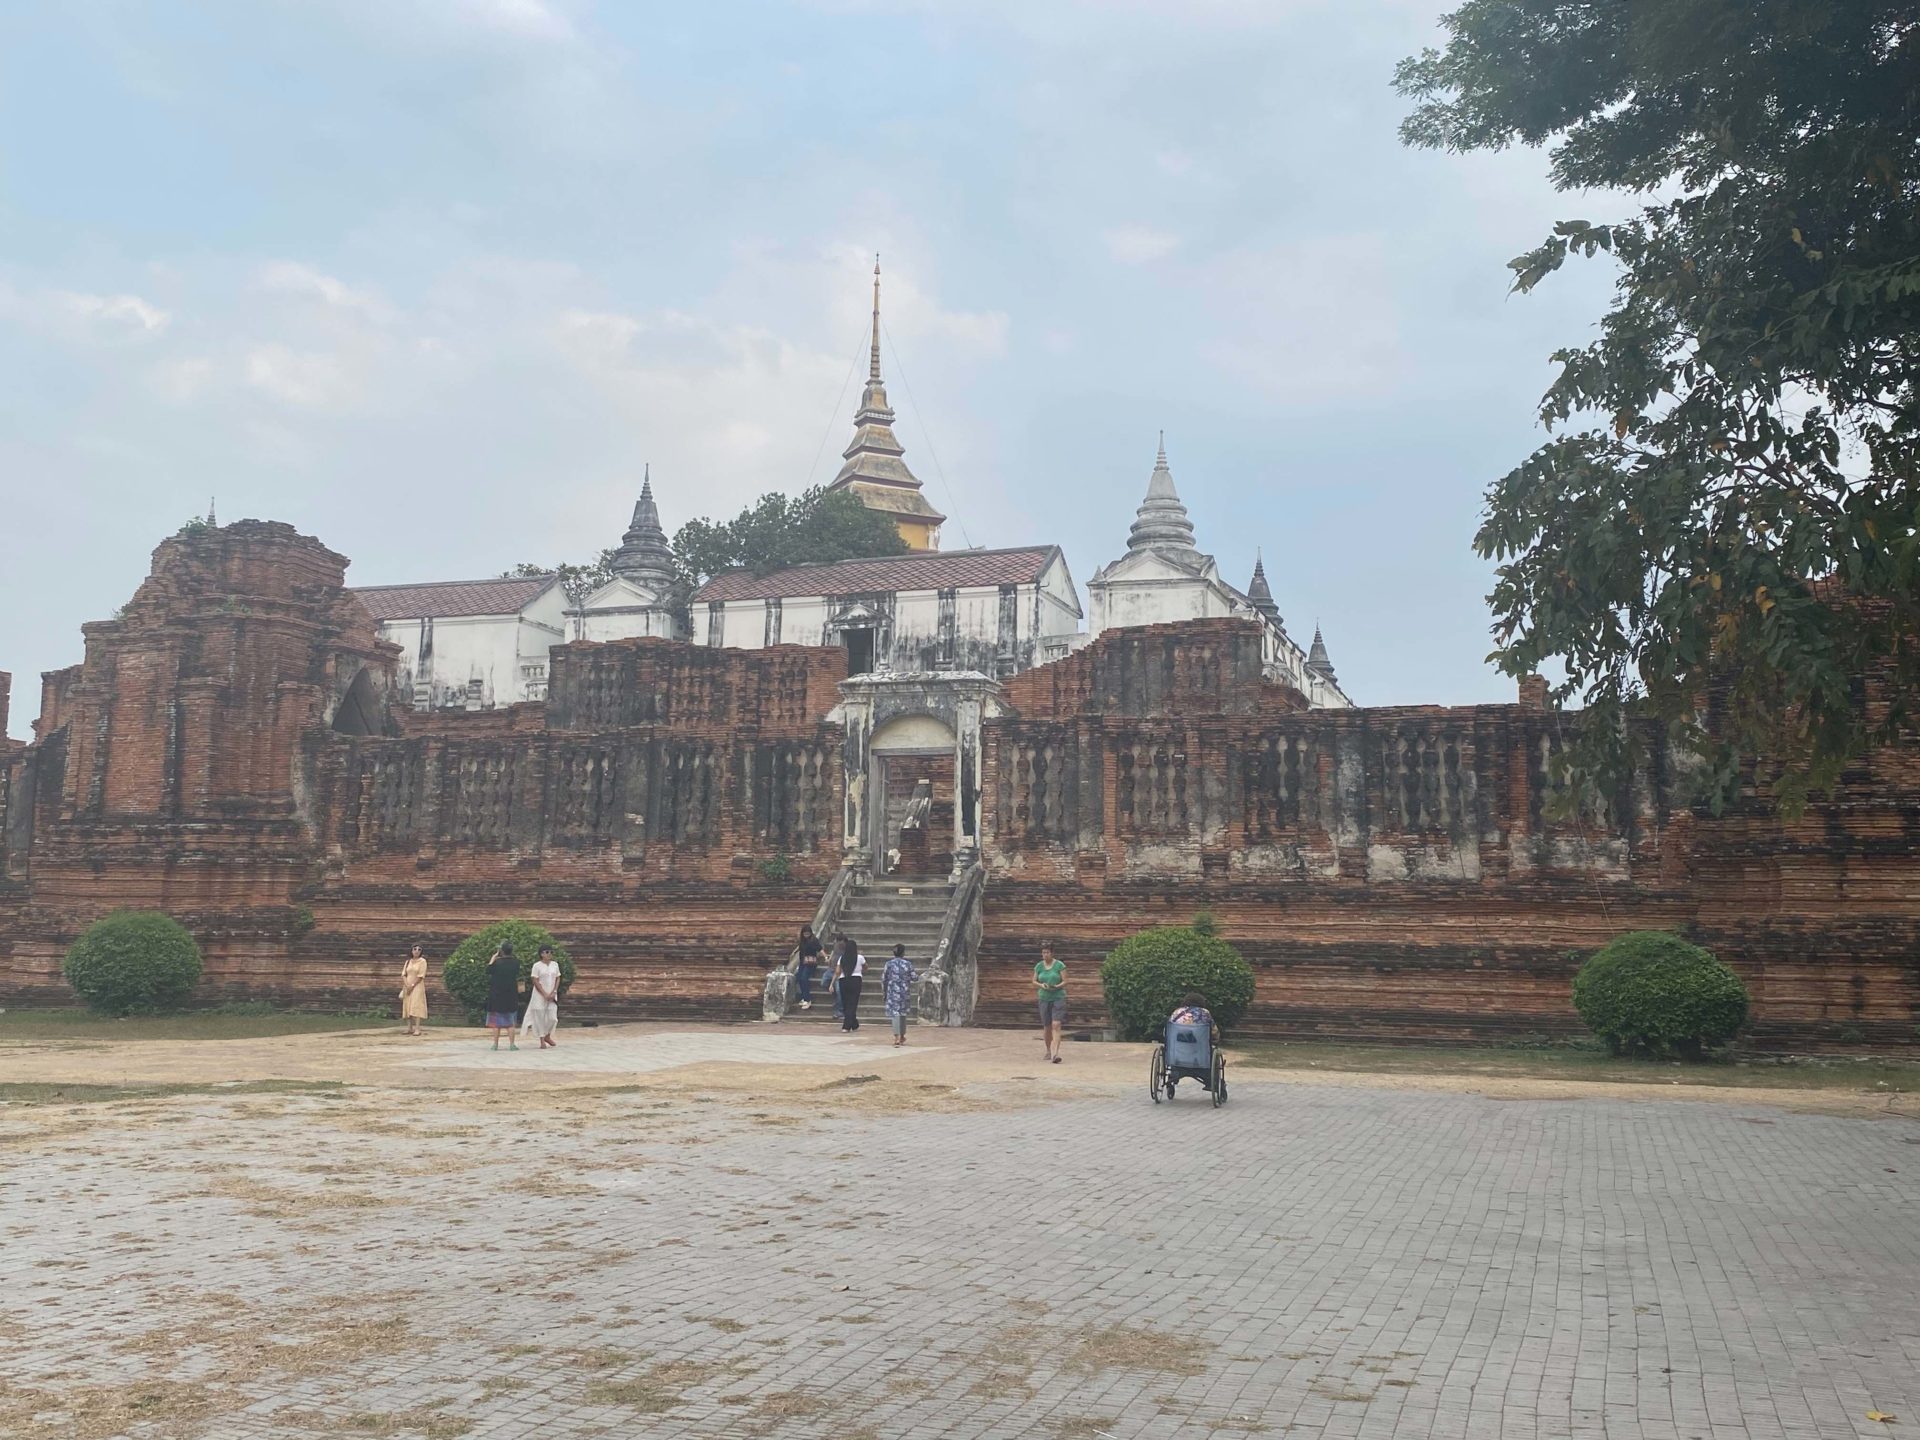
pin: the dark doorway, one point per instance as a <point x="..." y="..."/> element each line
<point x="358" y="712"/>
<point x="859" y="651"/>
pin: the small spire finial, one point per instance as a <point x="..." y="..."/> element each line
<point x="873" y="363"/>
<point x="646" y="477"/>
<point x="1161" y="457"/>
<point x="210" y="517"/>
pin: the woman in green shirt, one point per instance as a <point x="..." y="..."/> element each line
<point x="1050" y="980"/>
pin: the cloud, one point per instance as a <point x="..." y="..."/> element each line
<point x="288" y="277"/>
<point x="1138" y="245"/>
<point x="1311" y="320"/>
<point x="528" y="19"/>
<point x="305" y="379"/>
<point x="183" y="380"/>
<point x="117" y="315"/>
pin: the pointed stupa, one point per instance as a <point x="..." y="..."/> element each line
<point x="1259" y="593"/>
<point x="645" y="556"/>
<point x="1317" y="660"/>
<point x="875" y="469"/>
<point x="1161" y="523"/>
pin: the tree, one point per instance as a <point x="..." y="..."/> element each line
<point x="777" y="530"/>
<point x="1723" y="535"/>
<point x="577" y="582"/>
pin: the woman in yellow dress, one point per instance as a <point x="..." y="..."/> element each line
<point x="413" y="992"/>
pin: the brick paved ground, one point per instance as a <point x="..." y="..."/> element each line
<point x="903" y="1260"/>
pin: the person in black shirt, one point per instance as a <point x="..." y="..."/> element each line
<point x="809" y="962"/>
<point x="853" y="969"/>
<point x="503" y="994"/>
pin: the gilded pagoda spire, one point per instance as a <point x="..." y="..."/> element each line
<point x="876" y="468"/>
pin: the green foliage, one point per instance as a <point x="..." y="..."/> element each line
<point x="777" y="867"/>
<point x="1649" y="992"/>
<point x="577" y="582"/>
<point x="465" y="972"/>
<point x="780" y="530"/>
<point x="1147" y="974"/>
<point x="133" y="963"/>
<point x="1205" y="924"/>
<point x="300" y="922"/>
<point x="1742" y="440"/>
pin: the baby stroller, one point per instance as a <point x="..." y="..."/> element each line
<point x="1187" y="1053"/>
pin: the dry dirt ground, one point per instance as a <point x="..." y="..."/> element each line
<point x="772" y="1230"/>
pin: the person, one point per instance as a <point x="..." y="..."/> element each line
<point x="543" y="999"/>
<point x="853" y="969"/>
<point x="413" y="991"/>
<point x="833" y="978"/>
<point x="1192" y="1010"/>
<point x="897" y="982"/>
<point x="503" y="994"/>
<point x="1050" y="981"/>
<point x="809" y="962"/>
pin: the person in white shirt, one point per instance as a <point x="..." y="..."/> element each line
<point x="543" y="999"/>
<point x="853" y="968"/>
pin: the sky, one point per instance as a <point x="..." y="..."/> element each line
<point x="433" y="280"/>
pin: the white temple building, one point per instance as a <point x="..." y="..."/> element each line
<point x="1165" y="577"/>
<point x="989" y="612"/>
<point x="471" y="644"/>
<point x="997" y="612"/>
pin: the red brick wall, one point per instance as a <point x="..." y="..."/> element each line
<point x="1390" y="872"/>
<point x="1402" y="872"/>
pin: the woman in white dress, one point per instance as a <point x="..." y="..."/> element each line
<point x="543" y="999"/>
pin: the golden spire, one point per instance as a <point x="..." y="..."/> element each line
<point x="873" y="364"/>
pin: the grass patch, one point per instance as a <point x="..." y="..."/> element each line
<point x="1126" y="1347"/>
<point x="659" y="1390"/>
<point x="37" y="1093"/>
<point x="242" y="1022"/>
<point x="316" y="1422"/>
<point x="1588" y="1062"/>
<point x="96" y="1412"/>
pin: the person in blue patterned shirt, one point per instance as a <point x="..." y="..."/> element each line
<point x="897" y="979"/>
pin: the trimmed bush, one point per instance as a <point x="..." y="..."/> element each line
<point x="1147" y="974"/>
<point x="465" y="971"/>
<point x="133" y="962"/>
<point x="1649" y="992"/>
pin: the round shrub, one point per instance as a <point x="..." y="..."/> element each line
<point x="133" y="962"/>
<point x="1147" y="974"/>
<point x="465" y="971"/>
<point x="1649" y="992"/>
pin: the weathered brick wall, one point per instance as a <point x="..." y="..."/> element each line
<point x="1401" y="871"/>
<point x="227" y="753"/>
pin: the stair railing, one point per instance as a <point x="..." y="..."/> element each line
<point x="945" y="992"/>
<point x="782" y="990"/>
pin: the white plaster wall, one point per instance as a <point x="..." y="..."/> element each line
<point x="493" y="647"/>
<point x="916" y="618"/>
<point x="1156" y="602"/>
<point x="621" y="610"/>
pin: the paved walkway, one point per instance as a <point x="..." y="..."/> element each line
<point x="896" y="1258"/>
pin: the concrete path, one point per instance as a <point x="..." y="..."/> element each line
<point x="803" y="1249"/>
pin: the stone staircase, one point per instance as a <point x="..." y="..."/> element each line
<point x="889" y="912"/>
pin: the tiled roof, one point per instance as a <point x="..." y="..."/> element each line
<point x="446" y="598"/>
<point x="939" y="570"/>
